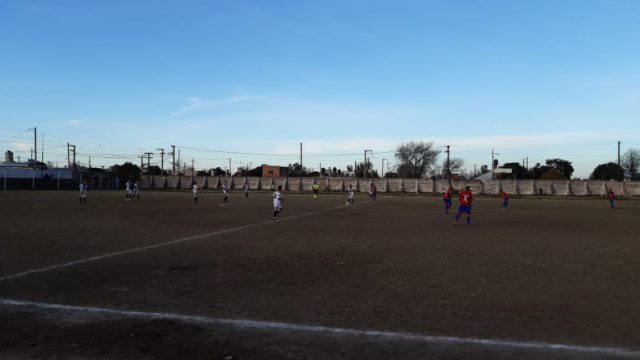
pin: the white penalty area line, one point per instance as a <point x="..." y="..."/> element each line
<point x="376" y="335"/>
<point x="158" y="245"/>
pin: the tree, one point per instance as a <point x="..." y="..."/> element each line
<point x="517" y="170"/>
<point x="608" y="171"/>
<point x="455" y="166"/>
<point x="218" y="171"/>
<point x="362" y="167"/>
<point x="484" y="169"/>
<point x="563" y="166"/>
<point x="415" y="158"/>
<point x="553" y="174"/>
<point x="297" y="170"/>
<point x="153" y="170"/>
<point x="631" y="162"/>
<point x="126" y="171"/>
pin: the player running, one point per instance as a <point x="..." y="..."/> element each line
<point x="246" y="190"/>
<point x="277" y="203"/>
<point x="225" y="191"/>
<point x="447" y="199"/>
<point x="505" y="199"/>
<point x="315" y="188"/>
<point x="465" y="197"/>
<point x="83" y="192"/>
<point x="612" y="198"/>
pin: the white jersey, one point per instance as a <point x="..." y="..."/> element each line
<point x="194" y="188"/>
<point x="277" y="200"/>
<point x="225" y="189"/>
<point x="83" y="189"/>
<point x="128" y="186"/>
<point x="136" y="187"/>
<point x="351" y="194"/>
<point x="246" y="187"/>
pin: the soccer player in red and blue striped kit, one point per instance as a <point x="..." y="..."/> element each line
<point x="465" y="197"/>
<point x="447" y="199"/>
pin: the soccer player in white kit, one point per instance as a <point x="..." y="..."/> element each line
<point x="136" y="190"/>
<point x="83" y="192"/>
<point x="277" y="203"/>
<point x="128" y="190"/>
<point x="351" y="195"/>
<point x="194" y="188"/>
<point x="225" y="191"/>
<point x="246" y="190"/>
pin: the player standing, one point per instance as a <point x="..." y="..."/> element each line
<point x="374" y="191"/>
<point x="352" y="195"/>
<point x="225" y="191"/>
<point x="465" y="197"/>
<point x="83" y="192"/>
<point x="127" y="186"/>
<point x="277" y="203"/>
<point x="246" y="190"/>
<point x="315" y="188"/>
<point x="447" y="199"/>
<point x="612" y="198"/>
<point x="194" y="189"/>
<point x="136" y="190"/>
<point x="505" y="199"/>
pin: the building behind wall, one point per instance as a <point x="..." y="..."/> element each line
<point x="274" y="171"/>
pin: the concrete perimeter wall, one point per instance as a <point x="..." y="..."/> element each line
<point x="393" y="185"/>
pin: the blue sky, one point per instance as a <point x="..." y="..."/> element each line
<point x="250" y="80"/>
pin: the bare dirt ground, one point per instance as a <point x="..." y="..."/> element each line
<point x="545" y="271"/>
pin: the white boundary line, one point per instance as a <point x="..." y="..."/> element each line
<point x="154" y="246"/>
<point x="381" y="336"/>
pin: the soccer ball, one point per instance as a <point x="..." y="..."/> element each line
<point x="347" y="203"/>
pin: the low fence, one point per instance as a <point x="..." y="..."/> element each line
<point x="334" y="184"/>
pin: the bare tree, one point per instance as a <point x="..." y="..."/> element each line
<point x="631" y="162"/>
<point x="416" y="157"/>
<point x="455" y="166"/>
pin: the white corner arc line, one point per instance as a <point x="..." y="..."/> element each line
<point x="155" y="246"/>
<point x="326" y="330"/>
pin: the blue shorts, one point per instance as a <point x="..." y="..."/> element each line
<point x="464" y="209"/>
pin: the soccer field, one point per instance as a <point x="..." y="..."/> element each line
<point x="164" y="278"/>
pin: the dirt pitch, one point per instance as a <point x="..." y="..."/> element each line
<point x="164" y="278"/>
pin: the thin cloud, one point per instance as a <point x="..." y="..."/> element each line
<point x="73" y="122"/>
<point x="196" y="103"/>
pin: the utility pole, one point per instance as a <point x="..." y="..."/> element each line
<point x="74" y="155"/>
<point x="141" y="162"/>
<point x="35" y="145"/>
<point x="618" y="153"/>
<point x="148" y="161"/>
<point x="89" y="162"/>
<point x="366" y="167"/>
<point x="42" y="151"/>
<point x="448" y="169"/>
<point x="173" y="162"/>
<point x="229" y="166"/>
<point x="68" y="157"/>
<point x="300" y="159"/>
<point x="382" y="170"/>
<point x="161" y="161"/>
<point x="193" y="169"/>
